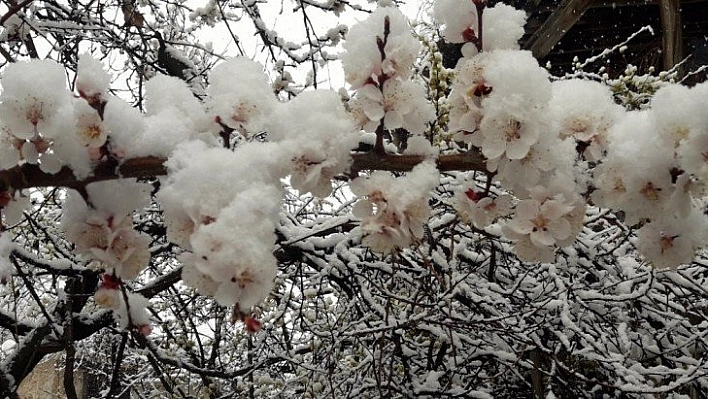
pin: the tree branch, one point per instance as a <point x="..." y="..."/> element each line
<point x="26" y="176"/>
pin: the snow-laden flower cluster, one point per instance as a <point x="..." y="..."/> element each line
<point x="549" y="147"/>
<point x="229" y="233"/>
<point x="498" y="99"/>
<point x="502" y="25"/>
<point x="665" y="196"/>
<point x="585" y="111"/>
<point x="379" y="46"/>
<point x="239" y="96"/>
<point x="103" y="231"/>
<point x="318" y="134"/>
<point x="395" y="210"/>
<point x="33" y="95"/>
<point x="377" y="63"/>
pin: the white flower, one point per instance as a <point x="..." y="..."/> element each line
<point x="551" y="217"/>
<point x="395" y="210"/>
<point x="362" y="61"/>
<point x="13" y="212"/>
<point x="542" y="221"/>
<point x="502" y="134"/>
<point x="191" y="276"/>
<point x="481" y="211"/>
<point x="313" y="174"/>
<point x="399" y="104"/>
<point x="9" y="149"/>
<point x="89" y="128"/>
<point x="247" y="286"/>
<point x="127" y="252"/>
<point x="107" y="298"/>
<point x="585" y="111"/>
<point x="669" y="241"/>
<point x="385" y="227"/>
<point x="32" y="93"/>
<point x="112" y="241"/>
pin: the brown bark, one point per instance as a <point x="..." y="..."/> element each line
<point x="26" y="176"/>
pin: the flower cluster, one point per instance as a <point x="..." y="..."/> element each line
<point x="104" y="230"/>
<point x="230" y="233"/>
<point x="377" y="63"/>
<point x="395" y="210"/>
<point x="502" y="25"/>
<point x="318" y="135"/>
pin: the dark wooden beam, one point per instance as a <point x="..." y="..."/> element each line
<point x="634" y="3"/>
<point x="671" y="33"/>
<point x="555" y="26"/>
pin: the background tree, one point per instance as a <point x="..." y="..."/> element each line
<point x="425" y="286"/>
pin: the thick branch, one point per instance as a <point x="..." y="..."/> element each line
<point x="26" y="176"/>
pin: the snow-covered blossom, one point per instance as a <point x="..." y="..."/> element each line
<point x="497" y="102"/>
<point x="465" y="98"/>
<point x="197" y="168"/>
<point x="235" y="250"/>
<point x="584" y="110"/>
<point x="318" y="134"/>
<point x="545" y="158"/>
<point x="401" y="104"/>
<point x="129" y="308"/>
<point x="173" y="115"/>
<point x="231" y="232"/>
<point x="104" y="231"/>
<point x="503" y="25"/>
<point x="362" y="61"/>
<point x="85" y="123"/>
<point x="239" y="95"/>
<point x="548" y="218"/>
<point x="459" y="18"/>
<point x="505" y="134"/>
<point x="395" y="209"/>
<point x="669" y="241"/>
<point x="92" y="81"/>
<point x="32" y="94"/>
<point x="640" y="190"/>
<point x="481" y="210"/>
<point x="688" y="125"/>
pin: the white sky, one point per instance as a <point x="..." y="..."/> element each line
<point x="279" y="17"/>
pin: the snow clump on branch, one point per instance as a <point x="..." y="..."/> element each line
<point x="230" y="232"/>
